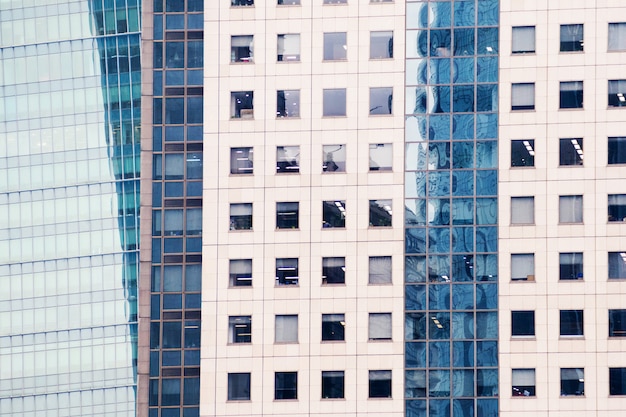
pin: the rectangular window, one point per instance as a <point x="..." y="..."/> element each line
<point x="334" y="158"/>
<point x="523" y="382"/>
<point x="572" y="39"/>
<point x="617" y="265"/>
<point x="241" y="161"/>
<point x="288" y="103"/>
<point x="380" y="384"/>
<point x="379" y="270"/>
<point x="332" y="384"/>
<point x="240" y="329"/>
<point x="333" y="214"/>
<point x="523" y="41"/>
<point x="286" y="386"/>
<point x="239" y="387"/>
<point x="571" y="151"/>
<point x="523" y="96"/>
<point x="241" y="105"/>
<point x="381" y="45"/>
<point x="522" y="210"/>
<point x="335" y="46"/>
<point x="381" y="156"/>
<point x="287" y="159"/>
<point x="287" y="215"/>
<point x="381" y="99"/>
<point x="617" y="323"/>
<point x="334" y="102"/>
<point x="572" y="381"/>
<point x="617" y="36"/>
<point x="522" y="266"/>
<point x="617" y="90"/>
<point x="380" y="326"/>
<point x="617" y="150"/>
<point x="380" y="213"/>
<point x="571" y="323"/>
<point x="571" y="266"/>
<point x="571" y="95"/>
<point x="522" y="323"/>
<point x="523" y="153"/>
<point x="240" y="273"/>
<point x="571" y="209"/>
<point x="617" y="207"/>
<point x="333" y="327"/>
<point x="286" y="328"/>
<point x="333" y="271"/>
<point x="289" y="45"/>
<point x="241" y="216"/>
<point x="241" y="48"/>
<point x="241" y="3"/>
<point x="617" y="381"/>
<point x="287" y="271"/>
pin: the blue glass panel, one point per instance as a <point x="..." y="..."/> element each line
<point x="439" y="127"/>
<point x="415" y="408"/>
<point x="487" y="41"/>
<point x="462" y="208"/>
<point x="172" y="336"/>
<point x="415" y="129"/>
<point x="462" y="239"/>
<point x="414" y="384"/>
<point x="463" y="408"/>
<point x="193" y="300"/>
<point x="174" y="189"/>
<point x="487" y="353"/>
<point x="195" y="77"/>
<point x="462" y="268"/>
<point x="439" y="71"/>
<point x="487" y="69"/>
<point x="463" y="42"/>
<point x="192" y="357"/>
<point x="462" y="325"/>
<point x="487" y="97"/>
<point x="194" y="244"/>
<point x="486" y="325"/>
<point x="157" y="138"/>
<point x="440" y="42"/>
<point x="464" y="13"/>
<point x="439" y="354"/>
<point x="194" y="133"/>
<point x="439" y="297"/>
<point x="463" y="98"/>
<point x="173" y="245"/>
<point x="414" y="212"/>
<point x="154" y="394"/>
<point x="195" y="21"/>
<point x="439" y="268"/>
<point x="154" y="363"/>
<point x="486" y="182"/>
<point x="174" y="133"/>
<point x="486" y="267"/>
<point x="191" y="412"/>
<point x="175" y="77"/>
<point x="158" y="27"/>
<point x="439" y="408"/>
<point x="463" y="383"/>
<point x="413" y="11"/>
<point x="439" y="240"/>
<point x="488" y="12"/>
<point x="175" y="21"/>
<point x="439" y="326"/>
<point x="171" y="412"/>
<point x="415" y="297"/>
<point x="462" y="354"/>
<point x="416" y="156"/>
<point x="157" y="84"/>
<point x="191" y="391"/>
<point x="439" y="386"/>
<point x="415" y="355"/>
<point x="415" y="326"/>
<point x="486" y="211"/>
<point x="194" y="189"/>
<point x="172" y="278"/>
<point x="194" y="110"/>
<point x="438" y="211"/>
<point x="439" y="183"/>
<point x="486" y="239"/>
<point x="463" y="70"/>
<point x="174" y="111"/>
<point x="171" y="357"/>
<point x="415" y="240"/>
<point x="416" y="102"/>
<point x="463" y="155"/>
<point x="440" y="99"/>
<point x="415" y="269"/>
<point x="440" y="15"/>
<point x="487" y="154"/>
<point x="463" y="183"/>
<point x="157" y="194"/>
<point x="155" y="306"/>
<point x="157" y="111"/>
<point x="487" y="408"/>
<point x="487" y="383"/>
<point x="462" y="297"/>
<point x="486" y="296"/>
<point x="463" y="126"/>
<point x="439" y="155"/>
<point x="172" y="302"/>
<point x="156" y="250"/>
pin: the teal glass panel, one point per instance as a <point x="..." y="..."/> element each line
<point x="463" y="408"/>
<point x="439" y="297"/>
<point x="438" y="268"/>
<point x="462" y="239"/>
<point x="415" y="213"/>
<point x="487" y="182"/>
<point x="439" y="386"/>
<point x="440" y="15"/>
<point x="439" y="183"/>
<point x="462" y="297"/>
<point x="487" y="126"/>
<point x="464" y="42"/>
<point x="439" y="127"/>
<point x="487" y="383"/>
<point x="488" y="12"/>
<point x="487" y="41"/>
<point x="439" y="155"/>
<point x="462" y="268"/>
<point x="439" y="326"/>
<point x="463" y="208"/>
<point x="415" y="240"/>
<point x="462" y="354"/>
<point x="487" y="407"/>
<point x="438" y="211"/>
<point x="415" y="354"/>
<point x="486" y="239"/>
<point x="487" y="69"/>
<point x="462" y="183"/>
<point x="486" y="325"/>
<point x="486" y="211"/>
<point x="487" y="353"/>
<point x="439" y="240"/>
<point x="462" y="325"/>
<point x="414" y="384"/>
<point x="486" y="296"/>
<point x="464" y="13"/>
<point x="415" y="408"/>
<point x="487" y="154"/>
<point x="415" y="297"/>
<point x="439" y="71"/>
<point x="440" y="42"/>
<point x="487" y="98"/>
<point x="486" y="267"/>
<point x="415" y="269"/>
<point x="463" y="126"/>
<point x="463" y="383"/>
<point x="463" y="70"/>
<point x="439" y="354"/>
<point x="415" y="326"/>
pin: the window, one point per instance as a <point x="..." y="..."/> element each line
<point x="570" y="266"/>
<point x="288" y="103"/>
<point x="240" y="273"/>
<point x="617" y="265"/>
<point x="334" y="102"/>
<point x="381" y="45"/>
<point x="239" y="387"/>
<point x="333" y="327"/>
<point x="241" y="216"/>
<point x="571" y="95"/>
<point x="523" y="381"/>
<point x="381" y="156"/>
<point x="617" y="36"/>
<point x="523" y="40"/>
<point x="241" y="105"/>
<point x="380" y="326"/>
<point x="335" y="46"/>
<point x="571" y="151"/>
<point x="522" y="323"/>
<point x="572" y="38"/>
<point x="242" y="2"/>
<point x="240" y="329"/>
<point x="287" y="271"/>
<point x="379" y="270"/>
<point x="288" y="2"/>
<point x="333" y="271"/>
<point x="617" y="207"/>
<point x="332" y="384"/>
<point x="617" y="381"/>
<point x="571" y="323"/>
<point x="571" y="209"/>
<point x="380" y="384"/>
<point x="334" y="158"/>
<point x="333" y="214"/>
<point x="287" y="159"/>
<point x="286" y="386"/>
<point x="523" y="96"/>
<point x="522" y="210"/>
<point x="522" y="266"/>
<point x="241" y="48"/>
<point x="286" y="328"/>
<point x="380" y="213"/>
<point x="617" y="323"/>
<point x="523" y="153"/>
<point x="287" y="215"/>
<point x="572" y="381"/>
<point x="241" y="160"/>
<point x="289" y="45"/>
<point x="381" y="99"/>
<point x="617" y="89"/>
<point x="617" y="150"/>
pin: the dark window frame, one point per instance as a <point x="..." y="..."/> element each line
<point x="571" y="323"/>
<point x="523" y="323"/>
<point x="285" y="385"/>
<point x="333" y="327"/>
<point x="333" y="384"/>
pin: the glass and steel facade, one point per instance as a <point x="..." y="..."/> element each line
<point x="69" y="198"/>
<point x="451" y="161"/>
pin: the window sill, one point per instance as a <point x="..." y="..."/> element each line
<point x="335" y="117"/>
<point x="524" y="338"/>
<point x="241" y="62"/>
<point x="381" y="59"/>
<point x="333" y="341"/>
<point x="571" y="108"/>
<point x="572" y="336"/>
<point x="529" y="110"/>
<point x="380" y="340"/>
<point x="288" y="117"/>
<point x="572" y="396"/>
<point x="524" y="53"/>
